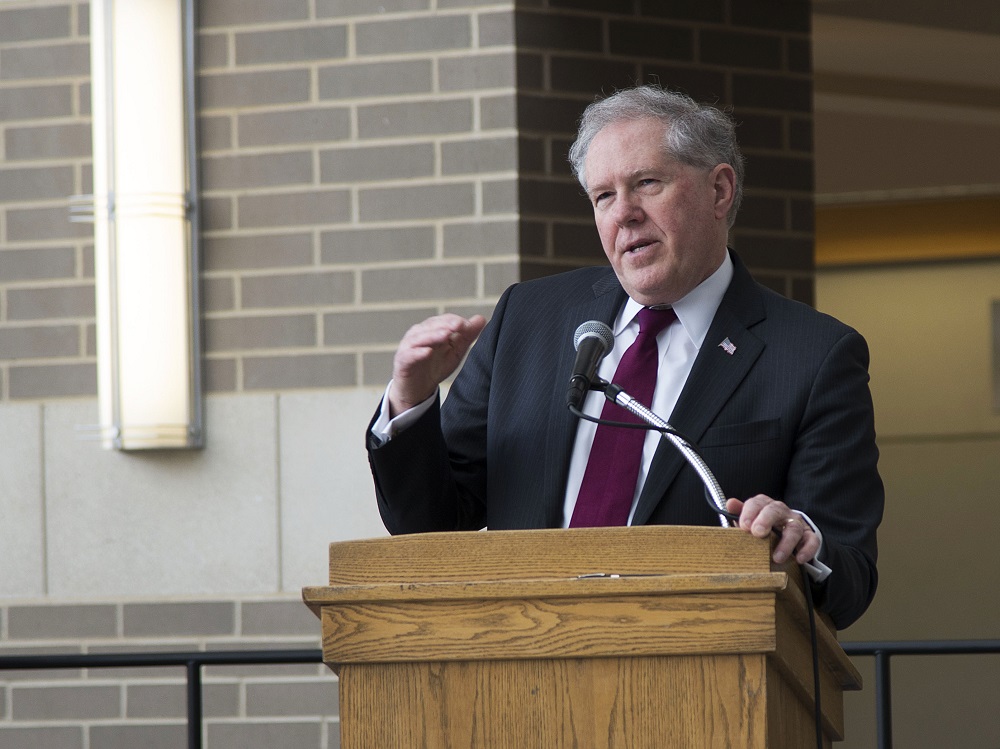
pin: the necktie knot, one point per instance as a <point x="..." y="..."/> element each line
<point x="652" y="321"/>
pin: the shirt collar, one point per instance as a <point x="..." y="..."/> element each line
<point x="696" y="310"/>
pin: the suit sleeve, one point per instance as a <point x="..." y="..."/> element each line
<point x="432" y="476"/>
<point x="833" y="477"/>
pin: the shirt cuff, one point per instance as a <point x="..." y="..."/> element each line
<point x="814" y="567"/>
<point x="385" y="428"/>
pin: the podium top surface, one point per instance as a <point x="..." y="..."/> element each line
<point x="548" y="554"/>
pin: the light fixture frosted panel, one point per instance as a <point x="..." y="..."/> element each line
<point x="144" y="224"/>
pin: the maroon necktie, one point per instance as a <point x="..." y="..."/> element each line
<point x="613" y="467"/>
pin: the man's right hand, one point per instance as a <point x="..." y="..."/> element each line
<point x="428" y="354"/>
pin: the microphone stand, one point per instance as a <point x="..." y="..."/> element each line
<point x="616" y="395"/>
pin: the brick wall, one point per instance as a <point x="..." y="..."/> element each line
<point x="364" y="166"/>
<point x="288" y="706"/>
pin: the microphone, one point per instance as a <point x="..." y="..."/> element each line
<point x="592" y="341"/>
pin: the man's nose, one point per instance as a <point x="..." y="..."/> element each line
<point x="628" y="210"/>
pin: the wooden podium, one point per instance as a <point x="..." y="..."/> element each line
<point x="635" y="638"/>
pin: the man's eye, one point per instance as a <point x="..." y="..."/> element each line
<point x="600" y="197"/>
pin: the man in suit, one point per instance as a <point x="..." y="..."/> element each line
<point x="774" y="394"/>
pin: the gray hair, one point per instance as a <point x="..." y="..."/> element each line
<point x="698" y="135"/>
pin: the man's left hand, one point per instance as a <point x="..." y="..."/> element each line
<point x="760" y="515"/>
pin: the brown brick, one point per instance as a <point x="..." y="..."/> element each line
<point x="50" y="61"/>
<point x="328" y="8"/>
<point x="36" y="263"/>
<point x="218" y="294"/>
<point x="477" y="72"/>
<point x="371" y="326"/>
<point x="400" y="284"/>
<point x="213" y="51"/>
<point x="259" y="88"/>
<point x="31" y="24"/>
<point x="481" y="239"/>
<point x="416" y="34"/>
<point x="789" y="15"/>
<point x="651" y="39"/>
<point x="755" y="130"/>
<point x="556" y="31"/>
<point x="39" y="342"/>
<point x="53" y="381"/>
<point x="377" y="163"/>
<point x="554" y="197"/>
<point x="375" y="79"/>
<point x="496" y="29"/>
<point x="780" y="172"/>
<point x="418" y="202"/>
<point x="147" y="736"/>
<point x="298" y="290"/>
<point x="589" y="74"/>
<point x="30" y="103"/>
<point x="178" y="619"/>
<point x="698" y="83"/>
<point x="377" y="245"/>
<point x="256" y="251"/>
<point x="242" y="735"/>
<point x="215" y="134"/>
<point x="577" y="240"/>
<point x="51" y="302"/>
<point x="294" y="209"/>
<point x="499" y="112"/>
<point x="377" y="367"/>
<point x="741" y="50"/>
<point x="498" y="276"/>
<point x="549" y="114"/>
<point x="762" y="212"/>
<point x="40" y="224"/>
<point x="481" y="155"/>
<point x="247" y="171"/>
<point x="50" y="737"/>
<point x="244" y="12"/>
<point x="170" y="701"/>
<point x="772" y="92"/>
<point x="281" y="618"/>
<point x="500" y="196"/>
<point x="686" y="10"/>
<point x="55" y="703"/>
<point x="215" y="213"/>
<point x="219" y="375"/>
<point x="309" y="125"/>
<point x="299" y="371"/>
<point x="291" y="45"/>
<point x="290" y="698"/>
<point x="253" y="333"/>
<point x="44" y="142"/>
<point x="415" y="118"/>
<point x="18" y="185"/>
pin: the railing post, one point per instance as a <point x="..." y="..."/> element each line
<point x="194" y="704"/>
<point x="883" y="699"/>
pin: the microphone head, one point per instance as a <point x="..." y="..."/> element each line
<point x="597" y="330"/>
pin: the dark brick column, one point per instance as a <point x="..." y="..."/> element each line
<point x="749" y="56"/>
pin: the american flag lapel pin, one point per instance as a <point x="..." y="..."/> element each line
<point x="728" y="346"/>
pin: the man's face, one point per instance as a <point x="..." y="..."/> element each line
<point x="662" y="223"/>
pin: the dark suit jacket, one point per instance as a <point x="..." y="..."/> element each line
<point x="788" y="414"/>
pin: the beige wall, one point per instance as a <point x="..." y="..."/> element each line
<point x="930" y="330"/>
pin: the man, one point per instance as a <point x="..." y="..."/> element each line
<point x="774" y="394"/>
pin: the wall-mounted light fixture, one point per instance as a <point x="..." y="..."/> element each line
<point x="145" y="223"/>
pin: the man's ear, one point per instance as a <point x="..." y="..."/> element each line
<point x="724" y="183"/>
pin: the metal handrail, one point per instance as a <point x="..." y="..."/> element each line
<point x="882" y="651"/>
<point x="192" y="662"/>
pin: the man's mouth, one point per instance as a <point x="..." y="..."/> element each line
<point x="637" y="246"/>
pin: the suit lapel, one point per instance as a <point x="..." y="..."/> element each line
<point x="562" y="425"/>
<point x="714" y="377"/>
